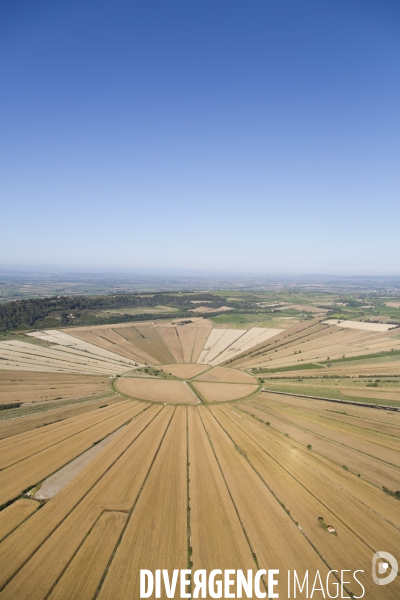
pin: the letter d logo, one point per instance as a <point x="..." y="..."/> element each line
<point x="386" y="560"/>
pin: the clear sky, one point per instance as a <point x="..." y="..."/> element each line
<point x="258" y="136"/>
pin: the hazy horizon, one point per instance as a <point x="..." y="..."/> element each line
<point x="183" y="273"/>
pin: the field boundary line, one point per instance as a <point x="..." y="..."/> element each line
<point x="105" y="510"/>
<point x="363" y="404"/>
<point x="84" y="495"/>
<point x="288" y="512"/>
<point x="201" y="399"/>
<point x="110" y="394"/>
<point x="188" y="508"/>
<point x="303" y="428"/>
<point x="39" y="483"/>
<point x="208" y="368"/>
<point x="63" y="440"/>
<point x="336" y="420"/>
<point x="131" y="511"/>
<point x="295" y="479"/>
<point x="194" y="345"/>
<point x="231" y="497"/>
<point x="324" y="476"/>
<point x="31" y="433"/>
<point x="40" y="504"/>
<point x="249" y="357"/>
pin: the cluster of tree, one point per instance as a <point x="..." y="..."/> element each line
<point x="82" y="310"/>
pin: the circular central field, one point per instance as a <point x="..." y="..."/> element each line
<point x="189" y="384"/>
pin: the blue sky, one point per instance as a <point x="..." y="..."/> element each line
<point x="202" y="135"/>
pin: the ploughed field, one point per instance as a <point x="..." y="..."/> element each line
<point x="164" y="452"/>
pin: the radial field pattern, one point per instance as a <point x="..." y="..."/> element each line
<point x="195" y="446"/>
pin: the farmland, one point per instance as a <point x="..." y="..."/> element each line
<point x="165" y="445"/>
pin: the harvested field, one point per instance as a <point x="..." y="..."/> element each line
<point x="225" y="375"/>
<point x="223" y="392"/>
<point x="333" y="344"/>
<point x="212" y="339"/>
<point x="169" y="391"/>
<point x="28" y="443"/>
<point x="368" y="368"/>
<point x="185" y="371"/>
<point x="101" y="338"/>
<point x="202" y="334"/>
<point x="187" y="336"/>
<point x="295" y="334"/>
<point x="115" y="489"/>
<point x="345" y="442"/>
<point x="155" y="343"/>
<point x="377" y="394"/>
<point x="228" y="337"/>
<point x="286" y="488"/>
<point x="217" y="536"/>
<point x="343" y="389"/>
<point x="84" y="572"/>
<point x="15" y="514"/>
<point x="27" y="539"/>
<point x="55" y="483"/>
<point x="361" y="325"/>
<point x="374" y="442"/>
<point x="371" y="469"/>
<point x="236" y="479"/>
<point x="273" y="536"/>
<point x="171" y="338"/>
<point x="39" y="415"/>
<point x="27" y="472"/>
<point x="61" y="338"/>
<point x="25" y="356"/>
<point x="257" y="495"/>
<point x="153" y="513"/>
<point x="20" y="386"/>
<point x="290" y="453"/>
<point x="250" y="339"/>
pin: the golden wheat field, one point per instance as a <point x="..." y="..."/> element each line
<point x="189" y="446"/>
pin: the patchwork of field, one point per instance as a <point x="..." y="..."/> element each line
<point x="223" y="344"/>
<point x="145" y="343"/>
<point x="201" y="487"/>
<point x="364" y="440"/>
<point x="117" y="349"/>
<point x="61" y="353"/>
<point x="315" y="342"/>
<point x="22" y="386"/>
<point x="142" y="344"/>
<point x="358" y="368"/>
<point x="33" y="416"/>
<point x="345" y="389"/>
<point x="110" y="466"/>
